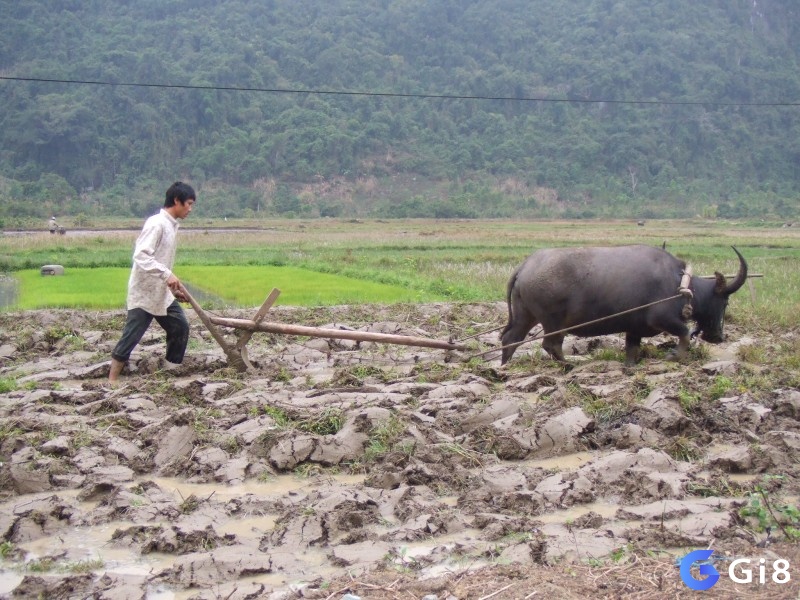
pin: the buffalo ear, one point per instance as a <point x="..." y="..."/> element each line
<point x="721" y="285"/>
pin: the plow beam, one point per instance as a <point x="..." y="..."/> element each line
<point x="337" y="334"/>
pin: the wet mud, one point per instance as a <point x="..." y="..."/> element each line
<point x="338" y="467"/>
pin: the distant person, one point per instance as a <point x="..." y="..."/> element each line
<point x="153" y="289"/>
<point x="53" y="225"/>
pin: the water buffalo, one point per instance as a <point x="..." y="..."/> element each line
<point x="564" y="287"/>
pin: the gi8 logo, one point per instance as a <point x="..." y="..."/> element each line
<point x="712" y="575"/>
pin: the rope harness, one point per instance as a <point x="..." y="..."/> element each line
<point x="685" y="291"/>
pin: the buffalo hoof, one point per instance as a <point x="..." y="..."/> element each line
<point x="674" y="356"/>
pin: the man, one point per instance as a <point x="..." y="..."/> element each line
<point x="153" y="289"/>
<point x="53" y="225"/>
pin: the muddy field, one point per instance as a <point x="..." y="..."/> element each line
<point x="340" y="469"/>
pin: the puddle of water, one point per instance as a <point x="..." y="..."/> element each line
<point x="83" y="544"/>
<point x="604" y="509"/>
<point x="281" y="485"/>
<point x="566" y="462"/>
<point x="9" y="580"/>
<point x="94" y="542"/>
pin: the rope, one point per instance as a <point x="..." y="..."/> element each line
<point x="538" y="337"/>
<point x="469" y="337"/>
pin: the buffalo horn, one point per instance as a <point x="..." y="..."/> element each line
<point x="741" y="276"/>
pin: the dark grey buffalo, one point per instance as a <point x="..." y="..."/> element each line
<point x="564" y="287"/>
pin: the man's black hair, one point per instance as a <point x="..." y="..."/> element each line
<point x="179" y="191"/>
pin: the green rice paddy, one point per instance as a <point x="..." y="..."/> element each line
<point x="326" y="261"/>
<point x="105" y="287"/>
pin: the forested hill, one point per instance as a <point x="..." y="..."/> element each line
<point x="449" y="108"/>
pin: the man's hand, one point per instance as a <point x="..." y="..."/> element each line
<point x="176" y="287"/>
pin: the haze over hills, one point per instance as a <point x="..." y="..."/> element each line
<point x="398" y="108"/>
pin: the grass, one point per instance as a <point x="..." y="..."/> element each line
<point x="7" y="384"/>
<point x="426" y="259"/>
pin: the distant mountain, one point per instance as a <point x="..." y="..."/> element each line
<point x="449" y="108"/>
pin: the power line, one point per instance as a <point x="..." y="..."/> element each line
<point x="393" y="94"/>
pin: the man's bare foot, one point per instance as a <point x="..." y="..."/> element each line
<point x="114" y="371"/>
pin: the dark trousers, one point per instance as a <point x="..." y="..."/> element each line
<point x="174" y="323"/>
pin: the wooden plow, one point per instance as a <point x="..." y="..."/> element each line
<point x="237" y="353"/>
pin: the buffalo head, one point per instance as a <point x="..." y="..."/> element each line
<point x="711" y="299"/>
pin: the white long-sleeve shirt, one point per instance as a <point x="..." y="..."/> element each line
<point x="153" y="258"/>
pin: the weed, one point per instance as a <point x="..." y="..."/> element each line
<point x="618" y="554"/>
<point x="770" y="511"/>
<point x="231" y="445"/>
<point x="641" y="386"/>
<point x="265" y="477"/>
<point x="57" y="332"/>
<point x="752" y="382"/>
<point x="328" y="423"/>
<point x="407" y="448"/>
<point x="307" y="470"/>
<point x="203" y="423"/>
<point x="354" y="376"/>
<point x="6" y="548"/>
<point x="42" y="565"/>
<point x="357" y="467"/>
<point x="609" y="354"/>
<point x="375" y="449"/>
<point x="383" y="437"/>
<point x="604" y="410"/>
<point x="472" y="456"/>
<point x="8" y="384"/>
<point x="81" y="439"/>
<point x="278" y="415"/>
<point x="189" y="505"/>
<point x="84" y="566"/>
<point x="688" y="400"/>
<point x="9" y="430"/>
<point x="789" y="354"/>
<point x="595" y="562"/>
<point x="717" y="487"/>
<point x="699" y="352"/>
<point x="517" y="537"/>
<point x="432" y="373"/>
<point x="401" y="560"/>
<point x="720" y="387"/>
<point x="752" y="353"/>
<point x="283" y="375"/>
<point x="683" y="449"/>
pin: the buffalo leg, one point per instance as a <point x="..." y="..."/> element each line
<point x="682" y="350"/>
<point x="552" y="344"/>
<point x="514" y="333"/>
<point x="632" y="345"/>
